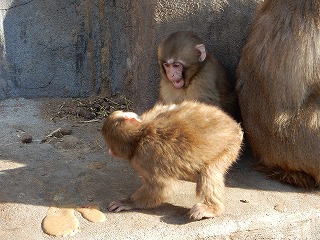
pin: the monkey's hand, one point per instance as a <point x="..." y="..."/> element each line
<point x="118" y="206"/>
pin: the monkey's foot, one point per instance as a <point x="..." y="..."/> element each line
<point x="200" y="210"/>
<point x="118" y="206"/>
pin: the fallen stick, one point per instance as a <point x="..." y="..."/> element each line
<point x="90" y="121"/>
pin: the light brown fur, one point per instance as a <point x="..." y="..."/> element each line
<point x="205" y="81"/>
<point x="192" y="141"/>
<point x="279" y="90"/>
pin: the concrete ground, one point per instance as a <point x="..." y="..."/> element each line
<point x="75" y="170"/>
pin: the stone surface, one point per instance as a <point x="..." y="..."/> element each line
<point x="78" y="48"/>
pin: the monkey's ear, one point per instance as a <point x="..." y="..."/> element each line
<point x="111" y="152"/>
<point x="201" y="52"/>
<point x="133" y="117"/>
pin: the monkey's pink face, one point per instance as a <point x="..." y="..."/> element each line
<point x="174" y="73"/>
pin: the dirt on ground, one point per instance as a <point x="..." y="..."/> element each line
<point x="52" y="154"/>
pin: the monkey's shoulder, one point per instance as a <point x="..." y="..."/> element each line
<point x="213" y="71"/>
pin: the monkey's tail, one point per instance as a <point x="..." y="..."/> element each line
<point x="293" y="177"/>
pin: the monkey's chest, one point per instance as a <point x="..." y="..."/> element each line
<point x="174" y="95"/>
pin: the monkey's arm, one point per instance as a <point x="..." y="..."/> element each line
<point x="149" y="195"/>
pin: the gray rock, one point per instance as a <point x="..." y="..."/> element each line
<point x="80" y="48"/>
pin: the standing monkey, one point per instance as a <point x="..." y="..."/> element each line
<point x="192" y="142"/>
<point x="279" y="90"/>
<point x="189" y="72"/>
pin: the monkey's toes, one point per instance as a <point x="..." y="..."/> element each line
<point x="118" y="206"/>
<point x="200" y="210"/>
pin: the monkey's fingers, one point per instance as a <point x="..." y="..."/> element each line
<point x="118" y="206"/>
<point x="113" y="206"/>
<point x="200" y="210"/>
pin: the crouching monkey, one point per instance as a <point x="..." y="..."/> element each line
<point x="191" y="141"/>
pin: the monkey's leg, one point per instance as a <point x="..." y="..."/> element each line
<point x="149" y="195"/>
<point x="210" y="186"/>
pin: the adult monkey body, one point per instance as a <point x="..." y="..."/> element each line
<point x="279" y="90"/>
<point x="189" y="72"/>
<point x="191" y="141"/>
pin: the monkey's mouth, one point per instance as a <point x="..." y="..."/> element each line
<point x="178" y="83"/>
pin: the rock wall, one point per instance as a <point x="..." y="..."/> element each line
<point x="79" y="48"/>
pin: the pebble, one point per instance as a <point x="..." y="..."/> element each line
<point x="280" y="207"/>
<point x="26" y="138"/>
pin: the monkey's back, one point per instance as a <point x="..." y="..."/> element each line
<point x="278" y="85"/>
<point x="187" y="136"/>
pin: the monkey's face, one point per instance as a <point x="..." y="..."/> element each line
<point x="174" y="72"/>
<point x="180" y="56"/>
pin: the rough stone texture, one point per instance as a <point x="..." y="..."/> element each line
<point x="78" y="48"/>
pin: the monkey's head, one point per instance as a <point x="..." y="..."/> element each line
<point x="121" y="131"/>
<point x="180" y="55"/>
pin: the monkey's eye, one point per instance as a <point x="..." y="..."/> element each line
<point x="176" y="65"/>
<point x="166" y="65"/>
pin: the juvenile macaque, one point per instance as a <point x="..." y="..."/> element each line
<point x="192" y="141"/>
<point x="279" y="90"/>
<point x="189" y="72"/>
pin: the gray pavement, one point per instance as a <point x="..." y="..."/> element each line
<point x="75" y="170"/>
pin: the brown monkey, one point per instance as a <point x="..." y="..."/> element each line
<point x="192" y="141"/>
<point x="189" y="72"/>
<point x="279" y="90"/>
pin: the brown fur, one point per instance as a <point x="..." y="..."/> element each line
<point x="279" y="90"/>
<point x="192" y="141"/>
<point x="205" y="81"/>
